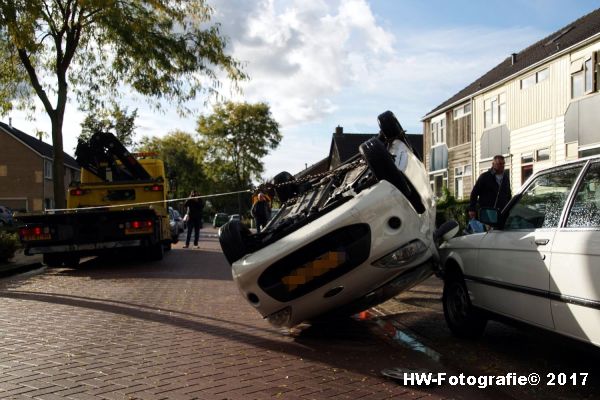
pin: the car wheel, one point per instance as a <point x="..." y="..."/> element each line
<point x="461" y="317"/>
<point x="71" y="260"/>
<point x="389" y="125"/>
<point x="232" y="237"/>
<point x="284" y="192"/>
<point x="157" y="252"/>
<point x="52" y="260"/>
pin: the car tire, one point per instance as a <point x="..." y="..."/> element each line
<point x="382" y="165"/>
<point x="463" y="320"/>
<point x="157" y="251"/>
<point x="71" y="260"/>
<point x="389" y="126"/>
<point x="284" y="192"/>
<point x="52" y="260"/>
<point x="232" y="237"/>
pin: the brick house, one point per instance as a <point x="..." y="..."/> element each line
<point x="26" y="171"/>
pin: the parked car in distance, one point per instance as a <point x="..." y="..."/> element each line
<point x="6" y="216"/>
<point x="219" y="219"/>
<point x="341" y="242"/>
<point x="540" y="264"/>
<point x="234" y="217"/>
<point x="178" y="220"/>
<point x="175" y="224"/>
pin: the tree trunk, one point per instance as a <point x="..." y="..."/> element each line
<point x="58" y="167"/>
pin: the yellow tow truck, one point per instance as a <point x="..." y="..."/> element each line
<point x="120" y="203"/>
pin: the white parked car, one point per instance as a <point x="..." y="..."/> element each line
<point x="342" y="241"/>
<point x="540" y="264"/>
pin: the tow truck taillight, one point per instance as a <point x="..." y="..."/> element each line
<point x="77" y="192"/>
<point x="154" y="188"/>
<point x="133" y="227"/>
<point x="35" y="233"/>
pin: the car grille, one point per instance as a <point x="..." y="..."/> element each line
<point x="317" y="263"/>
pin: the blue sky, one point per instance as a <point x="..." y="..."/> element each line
<point x="324" y="63"/>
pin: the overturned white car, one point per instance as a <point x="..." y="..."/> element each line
<point x="342" y="241"/>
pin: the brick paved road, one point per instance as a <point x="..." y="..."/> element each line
<point x="178" y="329"/>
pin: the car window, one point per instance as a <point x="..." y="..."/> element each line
<point x="585" y="210"/>
<point x="541" y="204"/>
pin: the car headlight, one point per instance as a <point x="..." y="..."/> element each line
<point x="402" y="256"/>
<point x="280" y="317"/>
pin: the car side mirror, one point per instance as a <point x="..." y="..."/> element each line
<point x="446" y="231"/>
<point x="489" y="216"/>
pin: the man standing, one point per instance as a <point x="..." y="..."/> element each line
<point x="195" y="207"/>
<point x="492" y="188"/>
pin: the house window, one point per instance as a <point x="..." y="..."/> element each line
<point x="494" y="110"/>
<point x="47" y="169"/>
<point x="458" y="182"/>
<point x="462" y="111"/>
<point x="582" y="77"/>
<point x="526" y="158"/>
<point x="438" y="132"/>
<point x="468" y="170"/>
<point x="534" y="78"/>
<point x="526" y="172"/>
<point x="542" y="154"/>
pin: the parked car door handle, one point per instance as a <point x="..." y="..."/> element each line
<point x="541" y="242"/>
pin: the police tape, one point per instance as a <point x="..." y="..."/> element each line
<point x="145" y="203"/>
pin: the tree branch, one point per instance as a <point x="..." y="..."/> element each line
<point x="35" y="81"/>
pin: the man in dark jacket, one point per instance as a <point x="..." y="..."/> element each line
<point x="195" y="207"/>
<point x="492" y="188"/>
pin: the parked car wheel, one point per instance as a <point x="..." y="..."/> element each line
<point x="284" y="193"/>
<point x="232" y="237"/>
<point x="157" y="252"/>
<point x="52" y="260"/>
<point x="71" y="260"/>
<point x="462" y="318"/>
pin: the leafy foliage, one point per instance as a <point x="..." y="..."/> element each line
<point x="164" y="50"/>
<point x="9" y="242"/>
<point x="235" y="138"/>
<point x="116" y="120"/>
<point x="182" y="157"/>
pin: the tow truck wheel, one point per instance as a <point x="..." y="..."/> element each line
<point x="71" y="260"/>
<point x="52" y="260"/>
<point x="157" y="252"/>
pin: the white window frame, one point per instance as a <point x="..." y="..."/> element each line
<point x="48" y="169"/>
<point x="462" y="111"/>
<point x="537" y="154"/>
<point x="535" y="78"/>
<point x="494" y="110"/>
<point x="467" y="170"/>
<point x="438" y="131"/>
<point x="582" y="69"/>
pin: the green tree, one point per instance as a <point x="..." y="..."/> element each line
<point x="181" y="154"/>
<point x="235" y="138"/>
<point x="116" y="120"/>
<point x="164" y="50"/>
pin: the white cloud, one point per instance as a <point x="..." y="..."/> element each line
<point x="323" y="63"/>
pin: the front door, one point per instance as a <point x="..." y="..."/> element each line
<point x="513" y="276"/>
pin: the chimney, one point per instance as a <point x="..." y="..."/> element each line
<point x="10" y="122"/>
<point x="513" y="58"/>
<point x="339" y="131"/>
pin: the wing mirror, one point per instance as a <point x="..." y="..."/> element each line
<point x="446" y="231"/>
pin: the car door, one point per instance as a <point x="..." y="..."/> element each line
<point x="513" y="263"/>
<point x="575" y="267"/>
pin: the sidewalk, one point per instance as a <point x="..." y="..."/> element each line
<point x="20" y="262"/>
